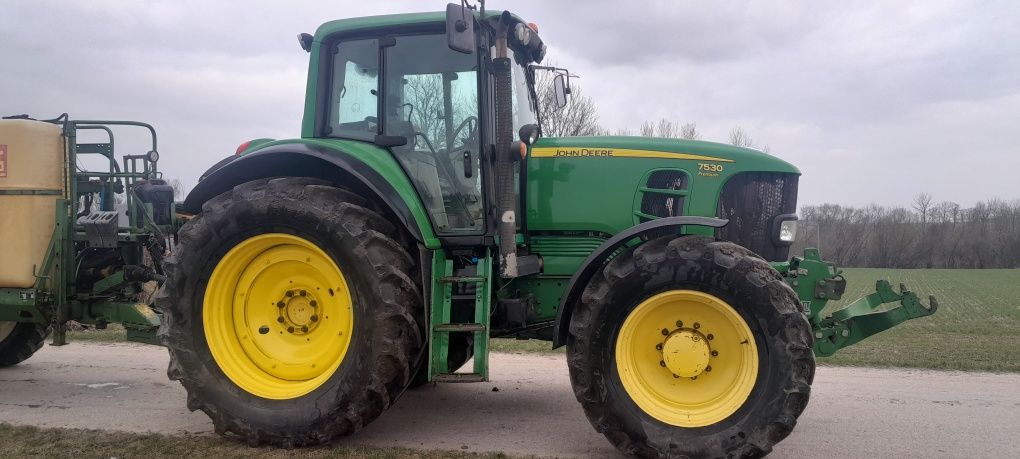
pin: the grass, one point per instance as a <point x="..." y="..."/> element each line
<point x="24" y="441"/>
<point x="977" y="326"/>
<point x="114" y="333"/>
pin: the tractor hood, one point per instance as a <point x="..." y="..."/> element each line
<point x="733" y="158"/>
<point x="605" y="185"/>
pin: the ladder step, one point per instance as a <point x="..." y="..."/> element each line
<point x="458" y="378"/>
<point x="458" y="327"/>
<point x="461" y="279"/>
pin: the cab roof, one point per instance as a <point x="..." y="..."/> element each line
<point x="389" y="20"/>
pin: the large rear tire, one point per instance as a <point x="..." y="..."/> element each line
<point x="290" y="312"/>
<point x="19" y="340"/>
<point x="690" y="347"/>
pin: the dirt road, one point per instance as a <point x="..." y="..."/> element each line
<point x="853" y="412"/>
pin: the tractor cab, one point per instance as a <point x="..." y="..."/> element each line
<point x="428" y="93"/>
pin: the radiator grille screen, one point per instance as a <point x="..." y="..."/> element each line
<point x="751" y="201"/>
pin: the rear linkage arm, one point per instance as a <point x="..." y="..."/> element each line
<point x="817" y="281"/>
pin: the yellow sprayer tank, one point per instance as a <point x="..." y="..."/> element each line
<point x="31" y="158"/>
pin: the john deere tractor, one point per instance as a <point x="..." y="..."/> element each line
<point x="422" y="211"/>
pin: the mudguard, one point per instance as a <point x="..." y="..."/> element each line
<point x="304" y="159"/>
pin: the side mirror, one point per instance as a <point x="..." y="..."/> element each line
<point x="460" y="28"/>
<point x="560" y="86"/>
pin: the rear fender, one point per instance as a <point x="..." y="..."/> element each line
<point x="384" y="184"/>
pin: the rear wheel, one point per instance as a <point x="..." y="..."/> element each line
<point x="19" y="340"/>
<point x="690" y="347"/>
<point x="290" y="312"/>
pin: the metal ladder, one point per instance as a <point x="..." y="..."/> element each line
<point x="443" y="282"/>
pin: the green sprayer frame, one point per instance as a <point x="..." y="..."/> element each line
<point x="55" y="297"/>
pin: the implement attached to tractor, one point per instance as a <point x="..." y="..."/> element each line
<point x="422" y="212"/>
<point x="77" y="244"/>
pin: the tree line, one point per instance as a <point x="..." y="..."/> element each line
<point x="928" y="234"/>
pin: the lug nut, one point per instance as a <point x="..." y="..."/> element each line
<point x="304" y="328"/>
<point x="710" y="337"/>
<point x="290" y="329"/>
<point x="312" y="303"/>
<point x="715" y="353"/>
<point x="658" y="347"/>
<point x="679" y="324"/>
<point x="662" y="363"/>
<point x="263" y="330"/>
<point x="303" y="293"/>
<point x="697" y="325"/>
<point x="676" y="377"/>
<point x="708" y="368"/>
<point x="280" y="304"/>
<point x="665" y="332"/>
<point x="314" y="318"/>
<point x="279" y="319"/>
<point x="693" y="378"/>
<point x="290" y="293"/>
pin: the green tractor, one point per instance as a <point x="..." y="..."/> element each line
<point x="422" y="212"/>
<point x="79" y="243"/>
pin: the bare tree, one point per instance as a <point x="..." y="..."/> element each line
<point x="670" y="129"/>
<point x="579" y="117"/>
<point x="923" y="205"/>
<point x="689" y="131"/>
<point x="740" y="138"/>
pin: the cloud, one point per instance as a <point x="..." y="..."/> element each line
<point x="873" y="101"/>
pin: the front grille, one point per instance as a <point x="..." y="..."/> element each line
<point x="663" y="204"/>
<point x="751" y="201"/>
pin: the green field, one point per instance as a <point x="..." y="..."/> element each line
<point x="977" y="326"/>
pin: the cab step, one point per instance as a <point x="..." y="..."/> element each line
<point x="444" y="284"/>
<point x="459" y="378"/>
<point x="453" y="328"/>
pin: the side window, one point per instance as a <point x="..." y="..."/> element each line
<point x="355" y="105"/>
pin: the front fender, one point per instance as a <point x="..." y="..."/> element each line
<point x="594" y="262"/>
<point x="362" y="168"/>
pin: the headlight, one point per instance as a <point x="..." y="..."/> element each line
<point x="523" y="34"/>
<point x="788" y="231"/>
<point x="152" y="156"/>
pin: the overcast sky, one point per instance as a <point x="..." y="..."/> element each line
<point x="874" y="101"/>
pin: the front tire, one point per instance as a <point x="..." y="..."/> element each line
<point x="690" y="347"/>
<point x="290" y="312"/>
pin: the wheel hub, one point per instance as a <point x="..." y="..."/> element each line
<point x="298" y="311"/>
<point x="686" y="353"/>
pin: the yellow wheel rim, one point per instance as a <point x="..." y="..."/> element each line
<point x="278" y="316"/>
<point x="686" y="358"/>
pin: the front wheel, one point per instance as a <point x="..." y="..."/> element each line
<point x="690" y="347"/>
<point x="290" y="312"/>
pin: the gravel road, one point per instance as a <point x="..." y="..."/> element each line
<point x="528" y="407"/>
